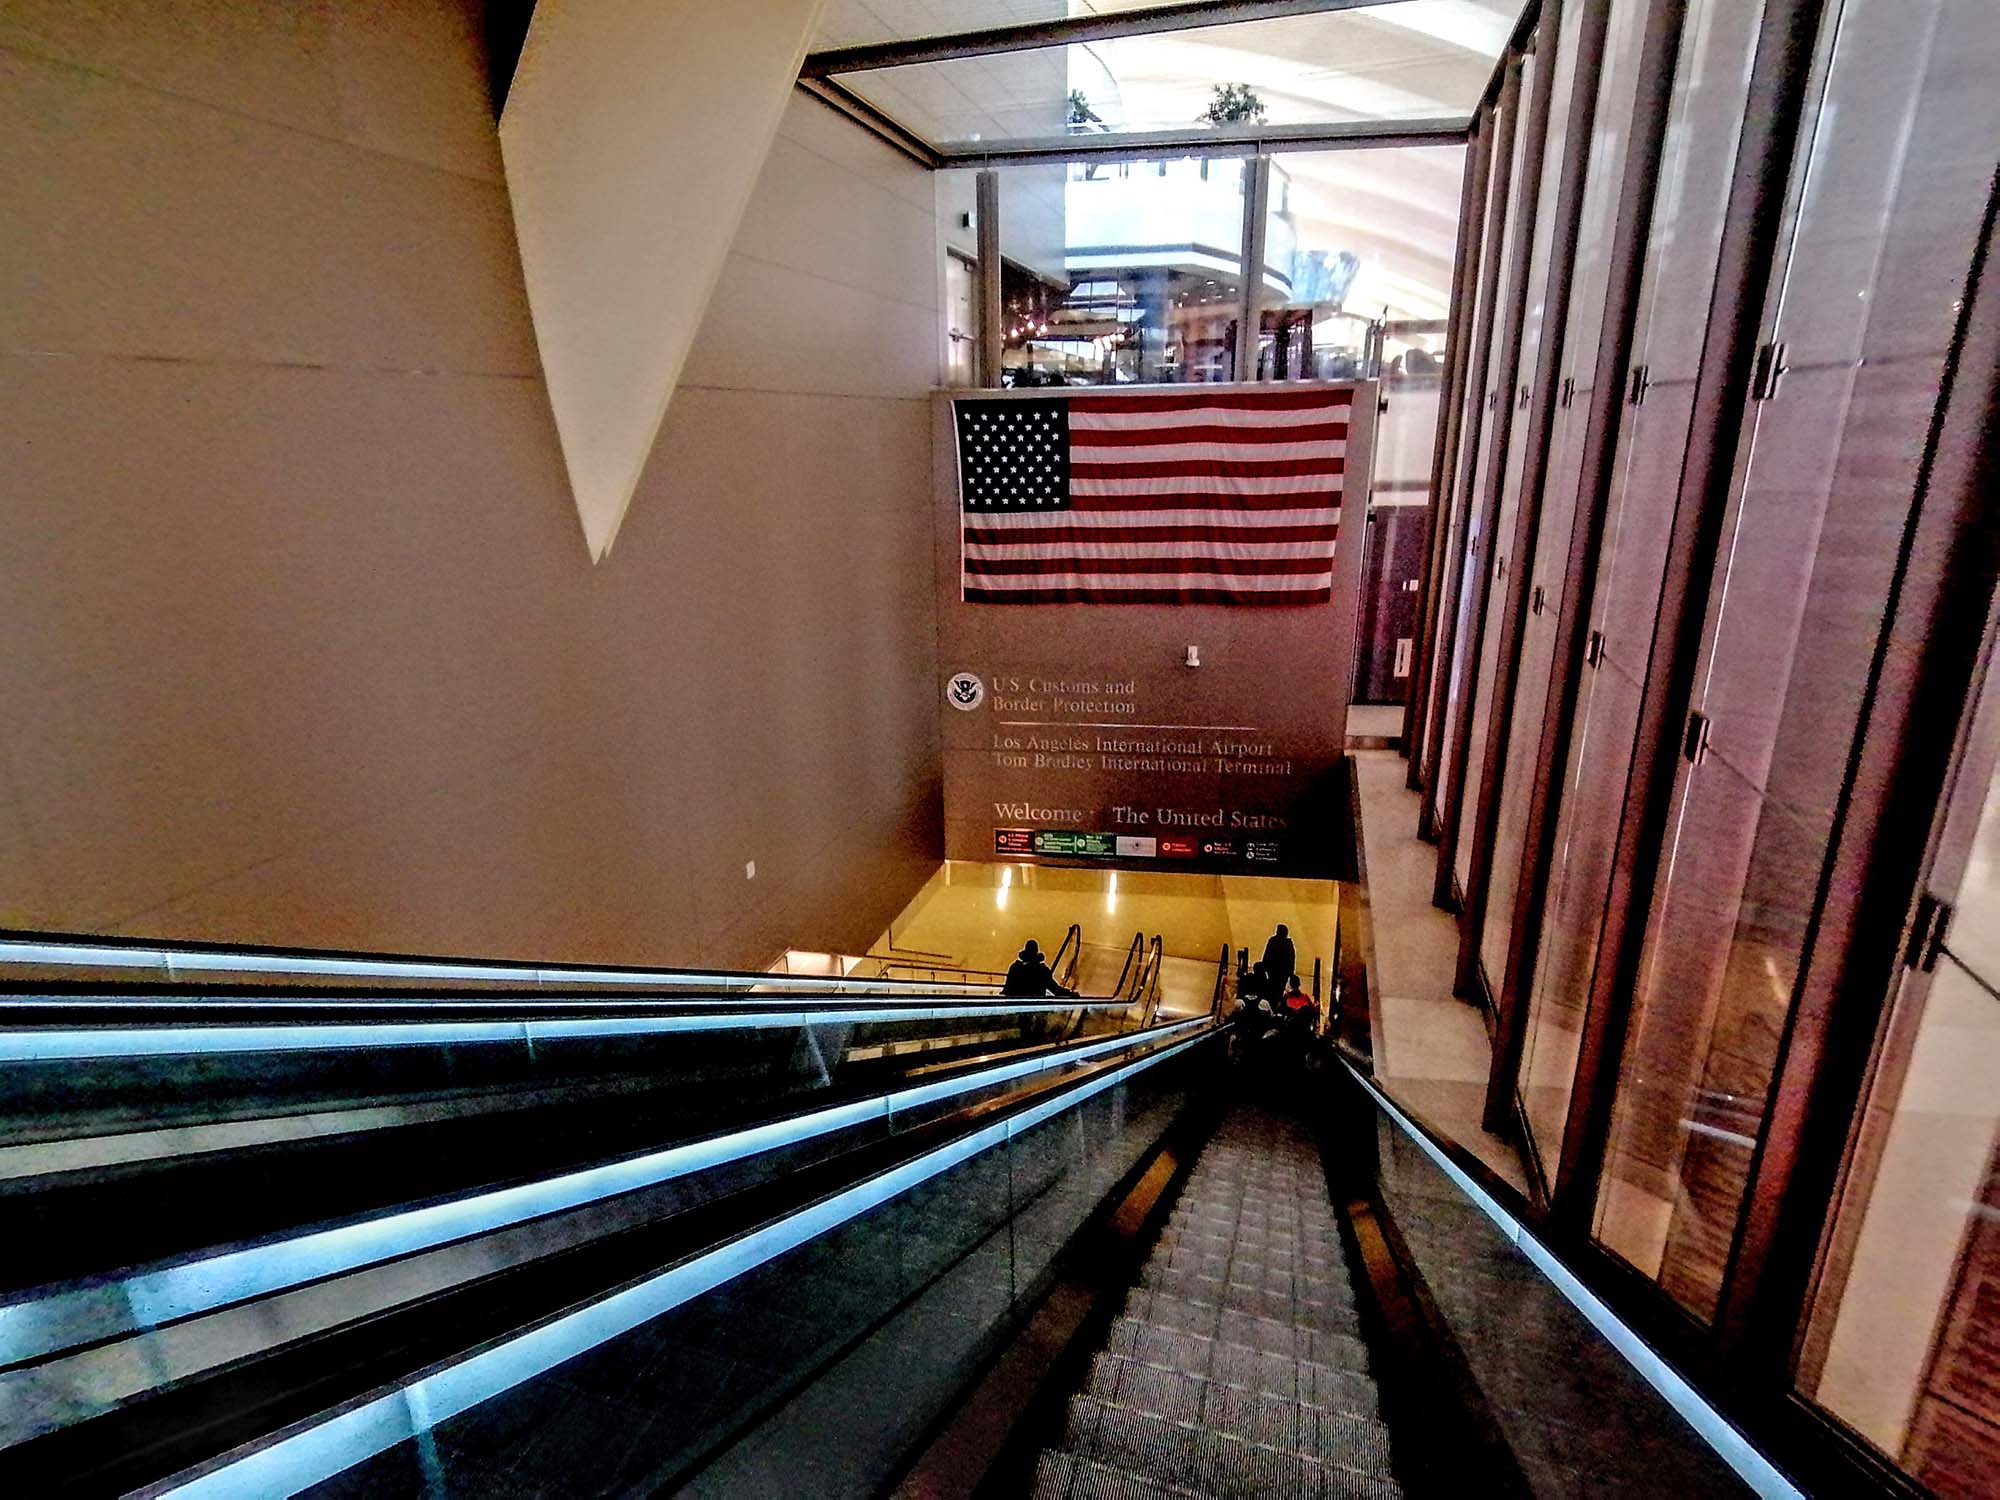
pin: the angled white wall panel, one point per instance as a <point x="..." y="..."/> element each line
<point x="633" y="134"/>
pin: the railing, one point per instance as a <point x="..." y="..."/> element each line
<point x="1146" y="993"/>
<point x="1131" y="956"/>
<point x="38" y="955"/>
<point x="900" y="971"/>
<point x="1072" y="945"/>
<point x="1129" y="979"/>
<point x="1221" y="983"/>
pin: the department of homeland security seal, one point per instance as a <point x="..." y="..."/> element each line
<point x="963" y="690"/>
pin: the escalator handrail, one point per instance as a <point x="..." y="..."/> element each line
<point x="175" y="963"/>
<point x="1221" y="982"/>
<point x="47" y="1320"/>
<point x="60" y="1037"/>
<point x="1072" y="945"/>
<point x="1125" y="973"/>
<point x="536" y="1341"/>
<point x="1156" y="963"/>
<point x="1118" y="996"/>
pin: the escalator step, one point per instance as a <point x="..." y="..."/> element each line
<point x="1172" y="1394"/>
<point x="1055" y="1471"/>
<point x="1236" y="1367"/>
<point x="1138" y="1442"/>
<point x="1113" y="1377"/>
<point x="1349" y="1442"/>
<point x="1097" y="1481"/>
<point x="1338" y="1390"/>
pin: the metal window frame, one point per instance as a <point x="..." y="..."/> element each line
<point x="1508" y="322"/>
<point x="820" y="77"/>
<point x="1752" y="224"/>
<point x="1566" y="225"/>
<point x="1033" y="36"/>
<point x="1504" y="117"/>
<point x="1941" y="611"/>
<point x="1444" y="454"/>
<point x="1626" y="265"/>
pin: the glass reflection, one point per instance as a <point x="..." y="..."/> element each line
<point x="1904" y="1341"/>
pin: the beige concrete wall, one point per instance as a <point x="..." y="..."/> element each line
<point x="297" y="643"/>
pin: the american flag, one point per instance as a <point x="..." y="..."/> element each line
<point x="1172" y="498"/>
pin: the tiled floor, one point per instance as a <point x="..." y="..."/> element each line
<point x="1431" y="1050"/>
<point x="1375" y="720"/>
<point x="979" y="914"/>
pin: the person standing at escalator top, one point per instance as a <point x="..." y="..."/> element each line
<point x="1280" y="959"/>
<point x="1029" y="977"/>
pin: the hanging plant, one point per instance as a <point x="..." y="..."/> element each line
<point x="1233" y="104"/>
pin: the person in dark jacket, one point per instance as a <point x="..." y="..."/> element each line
<point x="1029" y="977"/>
<point x="1279" y="959"/>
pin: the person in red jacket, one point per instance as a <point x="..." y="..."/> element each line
<point x="1298" y="1007"/>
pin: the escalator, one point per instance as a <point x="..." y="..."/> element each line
<point x="495" y="1235"/>
<point x="236" y="1207"/>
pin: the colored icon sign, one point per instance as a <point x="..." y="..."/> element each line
<point x="1179" y="846"/>
<point x="1013" y="841"/>
<point x="1071" y="842"/>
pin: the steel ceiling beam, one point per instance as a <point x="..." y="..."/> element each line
<point x="1034" y="34"/>
<point x="885" y="127"/>
<point x="1220" y="140"/>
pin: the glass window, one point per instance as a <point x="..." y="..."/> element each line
<point x="1805" y="571"/>
<point x="1150" y="283"/>
<point x="1504" y="237"/>
<point x="1353" y="240"/>
<point x="1904" y="1339"/>
<point x="1411" y="60"/>
<point x="1555" y="1017"/>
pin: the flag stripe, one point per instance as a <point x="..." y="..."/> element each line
<point x="1161" y="494"/>
<point x="1198" y="468"/>
<point x="1232" y="433"/>
<point x="1172" y="536"/>
<point x="1123" y="594"/>
<point x="1189" y="455"/>
<point x="1250" y="422"/>
<point x="1177" y="401"/>
<point x="1078" y="578"/>
<point x="1319" y="563"/>
<point x="1023" y="521"/>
